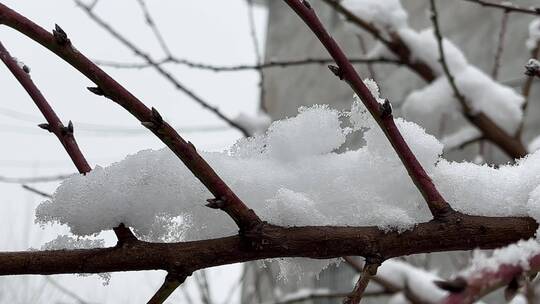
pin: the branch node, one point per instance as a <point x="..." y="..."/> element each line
<point x="336" y="71"/>
<point x="124" y="235"/>
<point x="45" y="126"/>
<point x="96" y="90"/>
<point x="306" y="4"/>
<point x="216" y="203"/>
<point x="60" y="36"/>
<point x="158" y="119"/>
<point x="385" y="109"/>
<point x="456" y="285"/>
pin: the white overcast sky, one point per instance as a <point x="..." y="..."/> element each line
<point x="209" y="31"/>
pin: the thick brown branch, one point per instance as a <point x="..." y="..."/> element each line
<point x="381" y="112"/>
<point x="463" y="233"/>
<point x="244" y="217"/>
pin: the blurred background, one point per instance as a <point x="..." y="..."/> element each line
<point x="221" y="34"/>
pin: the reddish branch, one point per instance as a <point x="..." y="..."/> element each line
<point x="59" y="44"/>
<point x="54" y="125"/>
<point x="381" y="112"/>
<point x="513" y="147"/>
<point x="368" y="271"/>
<point x="479" y="284"/>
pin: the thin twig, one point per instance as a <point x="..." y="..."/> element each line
<point x="177" y="84"/>
<point x="257" y="51"/>
<point x="243" y="67"/>
<point x="500" y="46"/>
<point x="169" y="285"/>
<point x="152" y="24"/>
<point x="526" y="92"/>
<point x="36" y="191"/>
<point x="369" y="270"/>
<point x="35" y="179"/>
<point x="507" y="6"/>
<point x="382" y="113"/>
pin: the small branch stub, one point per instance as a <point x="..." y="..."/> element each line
<point x="216" y="203"/>
<point x="60" y="36"/>
<point x="45" y="126"/>
<point x="96" y="90"/>
<point x="336" y="71"/>
<point x="386" y="109"/>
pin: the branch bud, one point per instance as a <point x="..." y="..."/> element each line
<point x="45" y="126"/>
<point x="306" y="4"/>
<point x="96" y="90"/>
<point x="70" y="127"/>
<point x="385" y="109"/>
<point x="60" y="36"/>
<point x="157" y="117"/>
<point x="215" y="203"/>
<point x="336" y="71"/>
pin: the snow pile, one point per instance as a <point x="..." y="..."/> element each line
<point x="405" y="276"/>
<point x="68" y="242"/>
<point x="517" y="254"/>
<point x="534" y="34"/>
<point x="430" y="104"/>
<point x="386" y="14"/>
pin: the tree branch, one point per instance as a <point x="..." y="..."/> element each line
<point x="507" y="6"/>
<point x="382" y="113"/>
<point x="169" y="286"/>
<point x="491" y="131"/>
<point x="273" y="242"/>
<point x="513" y="147"/>
<point x="226" y="199"/>
<point x="243" y="67"/>
<point x="54" y="125"/>
<point x="369" y="270"/>
<point x="177" y="84"/>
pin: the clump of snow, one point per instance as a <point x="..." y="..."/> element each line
<point x="460" y="137"/>
<point x="254" y="124"/>
<point x="300" y="268"/>
<point x="534" y="34"/>
<point x="387" y="14"/>
<point x="289" y="176"/>
<point x="517" y="254"/>
<point x="66" y="242"/>
<point x="424" y="47"/>
<point x="374" y="89"/>
<point x="501" y="103"/>
<point x="404" y="276"/>
<point x="69" y="242"/>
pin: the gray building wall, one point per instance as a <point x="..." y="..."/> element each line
<point x="473" y="28"/>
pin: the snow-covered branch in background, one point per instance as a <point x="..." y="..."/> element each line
<point x="489" y="273"/>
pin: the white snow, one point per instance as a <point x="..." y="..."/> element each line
<point x="385" y="14"/>
<point x="69" y="242"/>
<point x="517" y="254"/>
<point x="420" y="281"/>
<point x="428" y="105"/>
<point x="534" y="34"/>
<point x="374" y="89"/>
